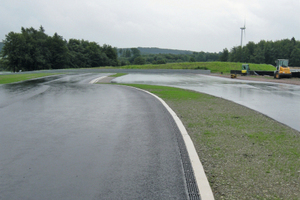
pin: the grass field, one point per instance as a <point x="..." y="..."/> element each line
<point x="117" y="75"/>
<point x="245" y="154"/>
<point x="215" y="67"/>
<point x="12" y="78"/>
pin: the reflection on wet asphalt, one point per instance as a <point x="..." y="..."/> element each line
<point x="278" y="101"/>
<point x="62" y="138"/>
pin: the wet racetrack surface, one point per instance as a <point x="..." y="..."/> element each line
<point x="62" y="138"/>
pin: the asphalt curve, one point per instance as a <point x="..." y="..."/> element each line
<point x="66" y="139"/>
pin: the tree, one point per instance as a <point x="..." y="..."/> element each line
<point x="139" y="60"/>
<point x="12" y="51"/>
<point x="135" y="52"/>
<point x="295" y="57"/>
<point x="258" y="56"/>
<point x="34" y="50"/>
<point x="192" y="59"/>
<point x="127" y="53"/>
<point x="59" y="51"/>
<point x="224" y="55"/>
<point x="235" y="54"/>
<point x="111" y="53"/>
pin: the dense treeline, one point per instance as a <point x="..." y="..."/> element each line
<point x="134" y="56"/>
<point x="34" y="50"/>
<point x="265" y="52"/>
<point x="155" y="50"/>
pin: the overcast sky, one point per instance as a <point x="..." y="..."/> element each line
<point x="197" y="25"/>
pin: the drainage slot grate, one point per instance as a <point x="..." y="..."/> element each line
<point x="192" y="187"/>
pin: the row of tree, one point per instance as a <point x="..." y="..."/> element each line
<point x="34" y="50"/>
<point x="265" y="52"/>
<point x="134" y="56"/>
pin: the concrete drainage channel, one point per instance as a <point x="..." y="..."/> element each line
<point x="197" y="184"/>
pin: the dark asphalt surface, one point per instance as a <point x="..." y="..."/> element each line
<point x="62" y="138"/>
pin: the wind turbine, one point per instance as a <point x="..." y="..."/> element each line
<point x="243" y="29"/>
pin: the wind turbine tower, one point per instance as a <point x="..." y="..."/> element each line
<point x="243" y="29"/>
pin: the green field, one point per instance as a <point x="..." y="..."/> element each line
<point x="12" y="78"/>
<point x="214" y="67"/>
<point x="245" y="154"/>
<point x="117" y="75"/>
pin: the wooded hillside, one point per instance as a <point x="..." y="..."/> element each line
<point x="265" y="52"/>
<point x="35" y="50"/>
<point x="155" y="50"/>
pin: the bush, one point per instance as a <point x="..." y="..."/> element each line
<point x="139" y="60"/>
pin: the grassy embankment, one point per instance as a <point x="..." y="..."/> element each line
<point x="246" y="155"/>
<point x="12" y="78"/>
<point x="214" y="67"/>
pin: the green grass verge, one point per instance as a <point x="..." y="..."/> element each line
<point x="215" y="67"/>
<point x="117" y="75"/>
<point x="12" y="78"/>
<point x="245" y="154"/>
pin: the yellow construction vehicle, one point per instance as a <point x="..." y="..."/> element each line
<point x="282" y="69"/>
<point x="245" y="69"/>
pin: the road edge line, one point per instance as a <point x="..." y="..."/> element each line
<point x="199" y="173"/>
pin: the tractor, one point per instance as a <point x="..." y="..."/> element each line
<point x="282" y="69"/>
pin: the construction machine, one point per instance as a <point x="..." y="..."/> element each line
<point x="282" y="69"/>
<point x="245" y="69"/>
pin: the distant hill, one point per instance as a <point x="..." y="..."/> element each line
<point x="1" y="45"/>
<point x="155" y="50"/>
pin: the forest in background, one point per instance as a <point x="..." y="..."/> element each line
<point x="35" y="50"/>
<point x="140" y="56"/>
<point x="156" y="50"/>
<point x="264" y="52"/>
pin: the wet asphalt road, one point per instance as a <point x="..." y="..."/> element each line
<point x="62" y="138"/>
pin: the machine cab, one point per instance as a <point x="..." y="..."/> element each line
<point x="245" y="69"/>
<point x="281" y="63"/>
<point x="282" y="69"/>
